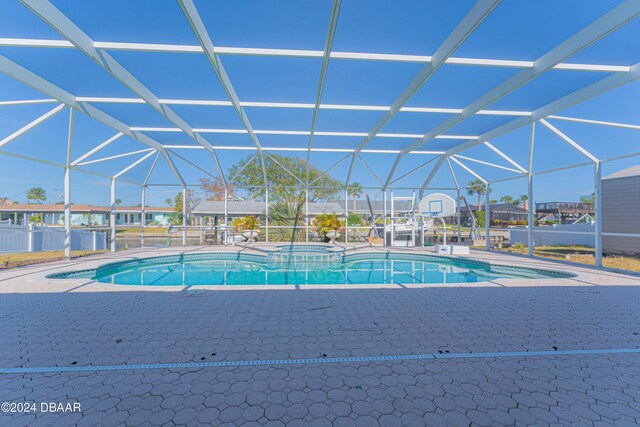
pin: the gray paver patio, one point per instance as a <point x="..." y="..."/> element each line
<point x="98" y="325"/>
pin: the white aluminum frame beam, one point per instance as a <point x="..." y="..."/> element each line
<point x="326" y="55"/>
<point x="184" y="159"/>
<point x="67" y="189"/>
<point x="595" y="89"/>
<point x="26" y="128"/>
<point x="175" y="170"/>
<point x="199" y="30"/>
<point x="65" y="27"/>
<point x="596" y="122"/>
<point x="478" y="13"/>
<point x="297" y="105"/>
<point x="569" y="141"/>
<point x="468" y="169"/>
<point x="116" y="156"/>
<point x="134" y="164"/>
<point x="482" y="162"/>
<point x="27" y="102"/>
<point x="292" y="149"/>
<point x="97" y="148"/>
<point x="151" y="169"/>
<point x="61" y="165"/>
<point x="504" y="156"/>
<point x="431" y="175"/>
<point x="414" y="169"/>
<point x="299" y="53"/>
<point x="36" y="82"/>
<point x="296" y="132"/>
<point x="612" y="20"/>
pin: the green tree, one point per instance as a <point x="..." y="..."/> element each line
<point x="118" y="202"/>
<point x="355" y="190"/>
<point x="169" y="202"/>
<point x="248" y="176"/>
<point x="478" y="188"/>
<point x="36" y="193"/>
<point x="588" y="199"/>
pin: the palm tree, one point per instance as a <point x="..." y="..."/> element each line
<point x="36" y="193"/>
<point x="477" y="187"/>
<point x="506" y="199"/>
<point x="355" y="190"/>
<point x="287" y="214"/>
<point x="523" y="199"/>
<point x="169" y="202"/>
<point x="118" y="201"/>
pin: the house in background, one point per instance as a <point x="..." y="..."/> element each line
<point x="131" y="215"/>
<point x="81" y="215"/>
<point x="620" y="211"/>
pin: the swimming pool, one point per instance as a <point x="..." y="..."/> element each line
<point x="302" y="265"/>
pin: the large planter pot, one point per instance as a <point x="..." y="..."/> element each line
<point x="250" y="235"/>
<point x="332" y="235"/>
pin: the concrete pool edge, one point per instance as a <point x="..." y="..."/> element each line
<point x="31" y="279"/>
<point x="346" y="257"/>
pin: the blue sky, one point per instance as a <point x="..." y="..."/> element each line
<point x="517" y="30"/>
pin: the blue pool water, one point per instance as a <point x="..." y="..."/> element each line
<point x="301" y="265"/>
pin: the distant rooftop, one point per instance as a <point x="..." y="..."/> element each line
<point x="625" y="173"/>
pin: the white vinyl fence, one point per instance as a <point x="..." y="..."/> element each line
<point x="565" y="234"/>
<point x="32" y="238"/>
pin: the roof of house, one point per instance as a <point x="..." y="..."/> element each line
<point x="22" y="207"/>
<point x="625" y="173"/>
<point x="257" y="208"/>
<point x="377" y="205"/>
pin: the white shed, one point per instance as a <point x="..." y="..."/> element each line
<point x="621" y="211"/>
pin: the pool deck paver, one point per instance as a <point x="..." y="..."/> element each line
<point x="49" y="323"/>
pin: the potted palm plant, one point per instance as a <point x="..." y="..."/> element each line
<point x="328" y="225"/>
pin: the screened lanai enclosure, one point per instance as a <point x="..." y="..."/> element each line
<point x="475" y="99"/>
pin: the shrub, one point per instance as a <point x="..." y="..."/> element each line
<point x="245" y="223"/>
<point x="327" y="222"/>
<point x="519" y="246"/>
<point x="354" y="219"/>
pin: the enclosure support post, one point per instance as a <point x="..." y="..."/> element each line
<point x="266" y="214"/>
<point x="530" y="219"/>
<point x="393" y="221"/>
<point x="598" y="213"/>
<point x="384" y="217"/>
<point x="346" y="216"/>
<point x="531" y="202"/>
<point x="143" y="219"/>
<point x="487" y="219"/>
<point x="225" y="234"/>
<point x="184" y="216"/>
<point x="458" y="218"/>
<point x="306" y="215"/>
<point x="67" y="191"/>
<point x="112" y="215"/>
